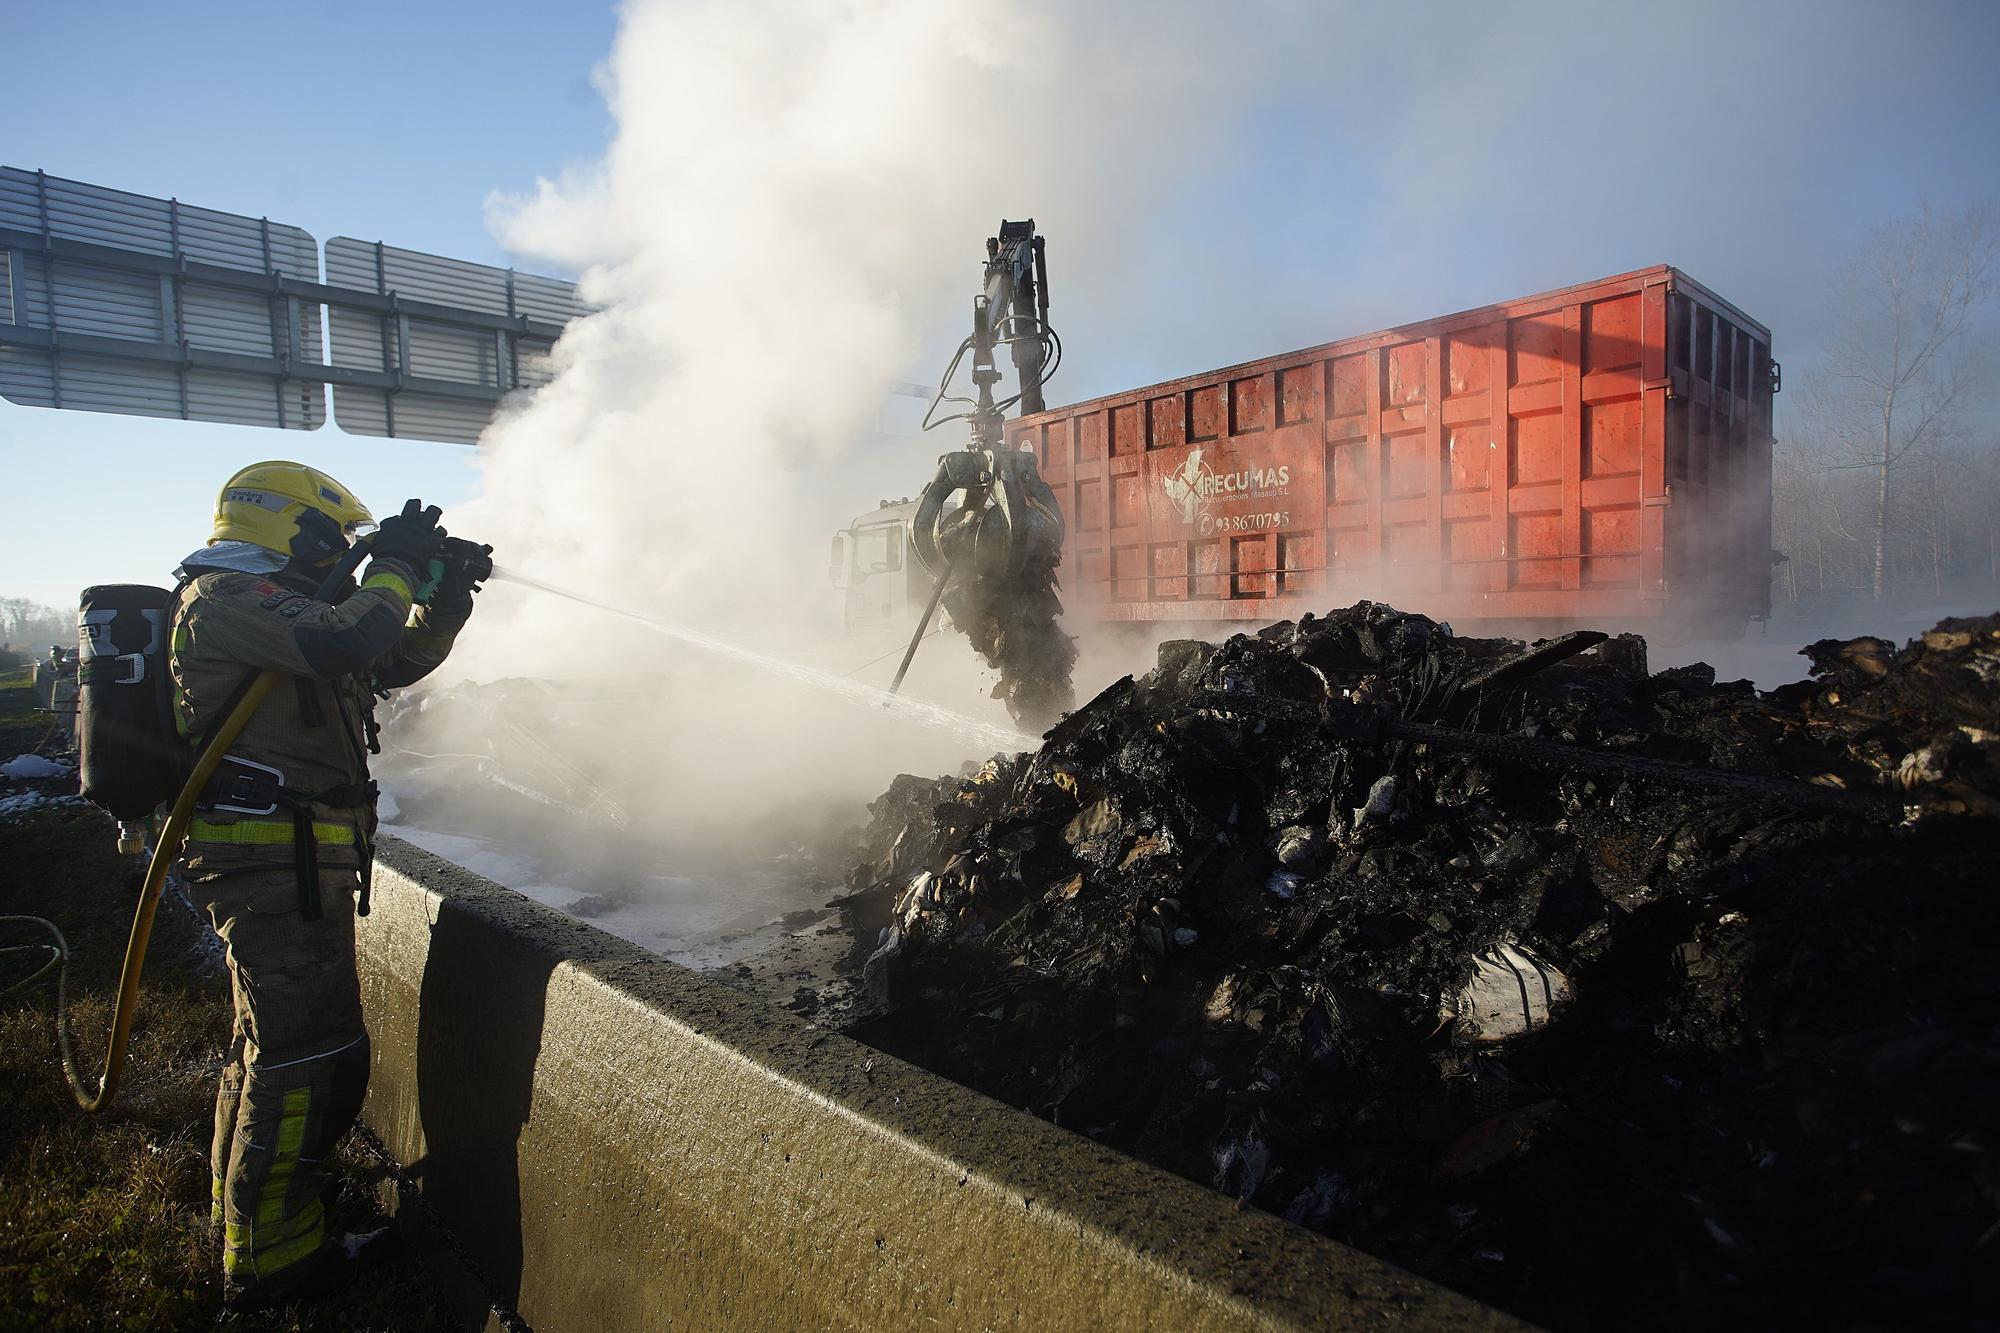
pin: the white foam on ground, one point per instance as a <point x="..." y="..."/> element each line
<point x="484" y="857"/>
<point x="698" y="923"/>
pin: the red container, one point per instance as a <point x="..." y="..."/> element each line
<point x="1598" y="454"/>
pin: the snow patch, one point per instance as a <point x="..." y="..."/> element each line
<point x="34" y="766"/>
<point x="22" y="802"/>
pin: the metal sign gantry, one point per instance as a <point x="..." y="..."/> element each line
<point x="120" y="302"/>
<point x="452" y="339"/>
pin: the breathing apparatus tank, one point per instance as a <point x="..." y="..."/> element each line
<point x="129" y="757"/>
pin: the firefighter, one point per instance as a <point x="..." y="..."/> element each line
<point x="278" y="852"/>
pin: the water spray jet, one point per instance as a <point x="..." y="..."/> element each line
<point x="924" y="713"/>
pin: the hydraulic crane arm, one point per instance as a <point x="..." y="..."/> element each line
<point x="994" y="554"/>
<point x="1017" y="305"/>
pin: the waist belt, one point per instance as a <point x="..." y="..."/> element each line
<point x="258" y="789"/>
<point x="247" y="788"/>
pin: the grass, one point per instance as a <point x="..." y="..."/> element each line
<point x="104" y="1219"/>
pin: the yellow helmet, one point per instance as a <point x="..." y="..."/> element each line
<point x="265" y="502"/>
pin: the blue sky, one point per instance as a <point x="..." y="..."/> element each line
<point x="383" y="121"/>
<point x="1487" y="152"/>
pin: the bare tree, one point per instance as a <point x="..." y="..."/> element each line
<point x="1808" y="522"/>
<point x="1982" y="494"/>
<point x="1898" y="379"/>
<point x="31" y="625"/>
<point x="1818" y="502"/>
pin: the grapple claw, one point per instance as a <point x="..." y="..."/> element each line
<point x="1007" y="521"/>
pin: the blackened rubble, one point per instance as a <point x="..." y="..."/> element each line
<point x="1608" y="1051"/>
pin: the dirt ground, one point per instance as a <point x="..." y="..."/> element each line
<point x="104" y="1220"/>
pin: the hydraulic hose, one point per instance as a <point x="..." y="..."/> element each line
<point x="166" y="850"/>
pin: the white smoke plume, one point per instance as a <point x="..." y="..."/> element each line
<point x="791" y="213"/>
<point x="790" y="219"/>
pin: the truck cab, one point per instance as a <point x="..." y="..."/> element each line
<point x="875" y="565"/>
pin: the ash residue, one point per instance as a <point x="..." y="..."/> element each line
<point x="1610" y="1052"/>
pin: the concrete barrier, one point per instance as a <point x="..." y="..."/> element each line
<point x="619" y="1143"/>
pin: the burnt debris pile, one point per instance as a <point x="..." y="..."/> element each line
<point x="1614" y="998"/>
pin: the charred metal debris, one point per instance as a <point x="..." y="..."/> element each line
<point x="1618" y="999"/>
<point x="1012" y="623"/>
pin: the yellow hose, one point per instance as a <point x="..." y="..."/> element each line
<point x="166" y="850"/>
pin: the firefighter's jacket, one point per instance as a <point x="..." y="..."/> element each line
<point x="314" y="728"/>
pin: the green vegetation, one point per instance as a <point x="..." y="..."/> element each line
<point x="104" y="1220"/>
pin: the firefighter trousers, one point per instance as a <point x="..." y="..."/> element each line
<point x="298" y="1057"/>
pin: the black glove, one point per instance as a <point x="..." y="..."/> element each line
<point x="413" y="537"/>
<point x="466" y="566"/>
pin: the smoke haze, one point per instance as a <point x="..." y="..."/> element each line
<point x="789" y="220"/>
